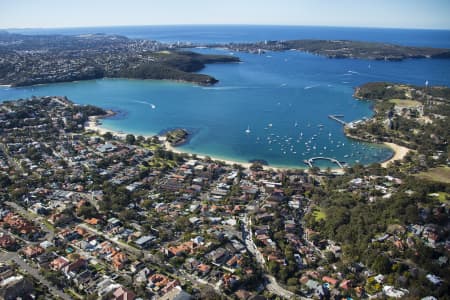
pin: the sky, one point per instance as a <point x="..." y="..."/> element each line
<point x="432" y="14"/>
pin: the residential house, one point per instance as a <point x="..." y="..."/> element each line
<point x="145" y="241"/>
<point x="71" y="269"/>
<point x="122" y="293"/>
<point x="58" y="263"/>
<point x="32" y="251"/>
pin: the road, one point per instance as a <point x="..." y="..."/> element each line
<point x="273" y="287"/>
<point x="272" y="284"/>
<point x="137" y="252"/>
<point x="6" y="256"/>
<point x="184" y="275"/>
<point x="11" y="161"/>
<point x="199" y="281"/>
<point x="113" y="240"/>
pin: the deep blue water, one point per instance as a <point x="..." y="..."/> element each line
<point x="249" y="33"/>
<point x="283" y="98"/>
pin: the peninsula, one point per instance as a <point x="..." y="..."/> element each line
<point x="38" y="59"/>
<point x="414" y="117"/>
<point x="342" y="49"/>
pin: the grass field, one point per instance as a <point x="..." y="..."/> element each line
<point x="439" y="174"/>
<point x="405" y="102"/>
<point x="319" y="215"/>
<point x="441" y="196"/>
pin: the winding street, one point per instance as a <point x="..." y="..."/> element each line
<point x="272" y="285"/>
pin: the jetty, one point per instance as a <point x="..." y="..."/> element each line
<point x="310" y="161"/>
<point x="338" y="119"/>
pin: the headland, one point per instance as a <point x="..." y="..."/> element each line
<point x="30" y="60"/>
<point x="342" y="49"/>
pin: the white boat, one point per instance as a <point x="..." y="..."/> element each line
<point x="247" y="131"/>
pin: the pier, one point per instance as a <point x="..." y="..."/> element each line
<point x="310" y="161"/>
<point x="337" y="119"/>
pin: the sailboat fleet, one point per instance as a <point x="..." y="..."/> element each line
<point x="305" y="144"/>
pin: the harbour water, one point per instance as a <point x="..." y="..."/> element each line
<point x="272" y="107"/>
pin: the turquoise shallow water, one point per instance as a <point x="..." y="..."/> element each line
<point x="283" y="98"/>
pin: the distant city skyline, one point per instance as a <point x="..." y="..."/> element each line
<point x="430" y="14"/>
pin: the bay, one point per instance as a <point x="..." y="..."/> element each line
<point x="282" y="98"/>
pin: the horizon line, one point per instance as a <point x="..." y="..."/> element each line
<point x="197" y="24"/>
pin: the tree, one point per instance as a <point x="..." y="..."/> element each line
<point x="127" y="214"/>
<point x="273" y="267"/>
<point x="256" y="166"/>
<point x="292" y="281"/>
<point x="108" y="136"/>
<point x="5" y="181"/>
<point x="207" y="292"/>
<point x="87" y="211"/>
<point x="331" y="258"/>
<point x="381" y="265"/>
<point x="314" y="170"/>
<point x="182" y="223"/>
<point x="130" y="139"/>
<point x="140" y="139"/>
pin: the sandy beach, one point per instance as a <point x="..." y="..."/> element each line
<point x="399" y="153"/>
<point x="93" y="125"/>
<point x="243" y="164"/>
<point x="169" y="147"/>
<point x="246" y="165"/>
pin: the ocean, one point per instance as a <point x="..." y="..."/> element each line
<point x="272" y="107"/>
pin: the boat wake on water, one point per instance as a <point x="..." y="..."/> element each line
<point x="222" y="88"/>
<point x="311" y="86"/>
<point x="153" y="106"/>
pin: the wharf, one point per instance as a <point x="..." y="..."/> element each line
<point x="337" y="119"/>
